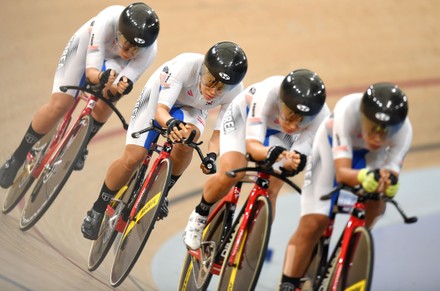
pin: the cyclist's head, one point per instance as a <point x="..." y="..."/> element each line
<point x="302" y="96"/>
<point x="224" y="66"/>
<point x="384" y="108"/>
<point x="139" y="25"/>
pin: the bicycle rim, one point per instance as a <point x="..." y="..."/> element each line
<point x="138" y="230"/>
<point x="358" y="269"/>
<point x="24" y="179"/>
<point x="244" y="273"/>
<point x="55" y="175"/>
<point x="193" y="275"/>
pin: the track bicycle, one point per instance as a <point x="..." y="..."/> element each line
<point x="52" y="159"/>
<point x="234" y="249"/>
<point x="350" y="266"/>
<point x="137" y="207"/>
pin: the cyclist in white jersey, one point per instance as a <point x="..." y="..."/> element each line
<point x="113" y="49"/>
<point x="363" y="142"/>
<point x="274" y="121"/>
<point x="178" y="97"/>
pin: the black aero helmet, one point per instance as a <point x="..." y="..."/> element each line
<point x="139" y="24"/>
<point x="303" y="92"/>
<point x="385" y="104"/>
<point x="227" y="62"/>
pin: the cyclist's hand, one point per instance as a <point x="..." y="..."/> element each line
<point x="176" y="129"/>
<point x="107" y="77"/>
<point x="392" y="186"/>
<point x="125" y="85"/>
<point x="208" y="164"/>
<point x="295" y="162"/>
<point x="369" y="179"/>
<point x="275" y="154"/>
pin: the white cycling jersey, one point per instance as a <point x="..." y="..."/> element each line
<point x="340" y="136"/>
<point x="254" y="114"/>
<point x="176" y="84"/>
<point x="95" y="45"/>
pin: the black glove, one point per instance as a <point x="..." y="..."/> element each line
<point x="129" y="87"/>
<point x="272" y="156"/>
<point x="173" y="122"/>
<point x="302" y="163"/>
<point x="104" y="76"/>
<point x="209" y="163"/>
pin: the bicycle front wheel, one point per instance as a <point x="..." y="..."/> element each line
<point x="139" y="228"/>
<point x="357" y="272"/>
<point x="244" y="272"/>
<point x="195" y="274"/>
<point x="24" y="178"/>
<point x="55" y="174"/>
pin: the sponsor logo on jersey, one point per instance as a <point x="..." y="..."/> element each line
<point x="228" y="120"/>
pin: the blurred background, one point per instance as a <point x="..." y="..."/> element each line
<point x="349" y="44"/>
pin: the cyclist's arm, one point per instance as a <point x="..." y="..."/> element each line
<point x="344" y="173"/>
<point x="214" y="142"/>
<point x="162" y="114"/>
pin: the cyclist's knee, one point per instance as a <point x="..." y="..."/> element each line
<point x="311" y="226"/>
<point x="133" y="157"/>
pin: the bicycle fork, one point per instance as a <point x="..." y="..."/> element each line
<point x="357" y="218"/>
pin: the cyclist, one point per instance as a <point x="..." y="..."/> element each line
<point x="274" y="121"/>
<point x="363" y="142"/>
<point x="120" y="41"/>
<point x="178" y="96"/>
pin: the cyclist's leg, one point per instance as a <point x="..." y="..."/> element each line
<point x="232" y="156"/>
<point x="121" y="169"/>
<point x="44" y="120"/>
<point x="274" y="188"/>
<point x="117" y="176"/>
<point x="319" y="177"/>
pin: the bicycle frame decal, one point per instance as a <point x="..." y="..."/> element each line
<point x="236" y="260"/>
<point x="144" y="210"/>
<point x="359" y="286"/>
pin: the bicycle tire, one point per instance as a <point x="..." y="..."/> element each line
<point x="244" y="274"/>
<point x="24" y="178"/>
<point x="357" y="272"/>
<point x="195" y="277"/>
<point x="107" y="231"/>
<point x="138" y="230"/>
<point x="53" y="177"/>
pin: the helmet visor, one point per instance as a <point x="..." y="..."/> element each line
<point x="211" y="83"/>
<point x="371" y="128"/>
<point x="289" y="116"/>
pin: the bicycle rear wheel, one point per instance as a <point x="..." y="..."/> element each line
<point x="55" y="174"/>
<point x="243" y="274"/>
<point x="357" y="272"/>
<point x="24" y="179"/>
<point x="196" y="275"/>
<point x="138" y="230"/>
<point x="108" y="230"/>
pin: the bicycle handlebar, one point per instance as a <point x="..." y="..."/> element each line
<point x="96" y="90"/>
<point x="268" y="171"/>
<point x="360" y="192"/>
<point x="189" y="141"/>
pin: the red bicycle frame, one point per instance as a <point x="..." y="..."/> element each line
<point x="256" y="192"/>
<point x="61" y="136"/>
<point x="165" y="152"/>
<point x="356" y="219"/>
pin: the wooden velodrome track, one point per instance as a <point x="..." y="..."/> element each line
<point x="349" y="43"/>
